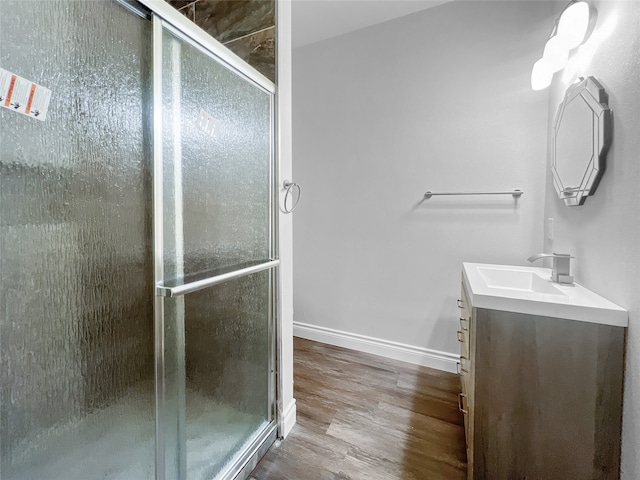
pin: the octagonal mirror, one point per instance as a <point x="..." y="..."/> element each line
<point x="581" y="136"/>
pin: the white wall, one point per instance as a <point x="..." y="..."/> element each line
<point x="437" y="100"/>
<point x="604" y="233"/>
<point x="286" y="402"/>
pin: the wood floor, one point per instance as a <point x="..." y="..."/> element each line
<point x="364" y="417"/>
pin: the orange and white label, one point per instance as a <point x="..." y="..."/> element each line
<point x="12" y="84"/>
<point x="23" y="96"/>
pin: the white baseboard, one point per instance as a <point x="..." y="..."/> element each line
<point x="288" y="419"/>
<point x="377" y="346"/>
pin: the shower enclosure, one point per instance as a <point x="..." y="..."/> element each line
<point x="138" y="249"/>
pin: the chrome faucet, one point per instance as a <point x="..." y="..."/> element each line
<point x="561" y="271"/>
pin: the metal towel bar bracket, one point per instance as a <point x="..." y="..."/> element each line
<point x="515" y="193"/>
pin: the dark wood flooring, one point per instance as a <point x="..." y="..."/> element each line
<point x="364" y="417"/>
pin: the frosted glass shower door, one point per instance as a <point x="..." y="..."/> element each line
<point x="76" y="317"/>
<point x="215" y="260"/>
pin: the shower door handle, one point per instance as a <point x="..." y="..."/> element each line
<point x="175" y="291"/>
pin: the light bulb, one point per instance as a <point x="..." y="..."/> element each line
<point x="573" y="24"/>
<point x="556" y="53"/>
<point x="541" y="75"/>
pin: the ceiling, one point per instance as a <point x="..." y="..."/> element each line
<point x="316" y="20"/>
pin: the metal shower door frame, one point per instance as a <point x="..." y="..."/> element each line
<point x="165" y="17"/>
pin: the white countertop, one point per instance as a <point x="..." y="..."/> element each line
<point x="491" y="287"/>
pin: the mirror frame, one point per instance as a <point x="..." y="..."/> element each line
<point x="589" y="91"/>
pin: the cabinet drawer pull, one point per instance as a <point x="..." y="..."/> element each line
<point x="461" y="364"/>
<point x="459" y="369"/>
<point x="460" y="337"/>
<point x="461" y="397"/>
<point x="460" y="304"/>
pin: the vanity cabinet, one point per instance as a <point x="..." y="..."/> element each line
<point x="541" y="396"/>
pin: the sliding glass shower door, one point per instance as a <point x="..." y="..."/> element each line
<point x="215" y="264"/>
<point x="138" y="255"/>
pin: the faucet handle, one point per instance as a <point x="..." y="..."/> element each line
<point x="567" y="279"/>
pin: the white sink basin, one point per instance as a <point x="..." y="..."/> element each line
<point x="530" y="290"/>
<point x="516" y="279"/>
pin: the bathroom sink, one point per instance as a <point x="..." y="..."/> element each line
<point x="530" y="290"/>
<point x="517" y="279"/>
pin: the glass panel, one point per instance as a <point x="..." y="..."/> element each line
<point x="76" y="383"/>
<point x="227" y="360"/>
<point x="217" y="155"/>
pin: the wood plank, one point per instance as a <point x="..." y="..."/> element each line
<point x="361" y="416"/>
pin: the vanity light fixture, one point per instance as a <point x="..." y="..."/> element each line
<point x="574" y="23"/>
<point x="570" y="31"/>
<point x="541" y="75"/>
<point x="556" y="53"/>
